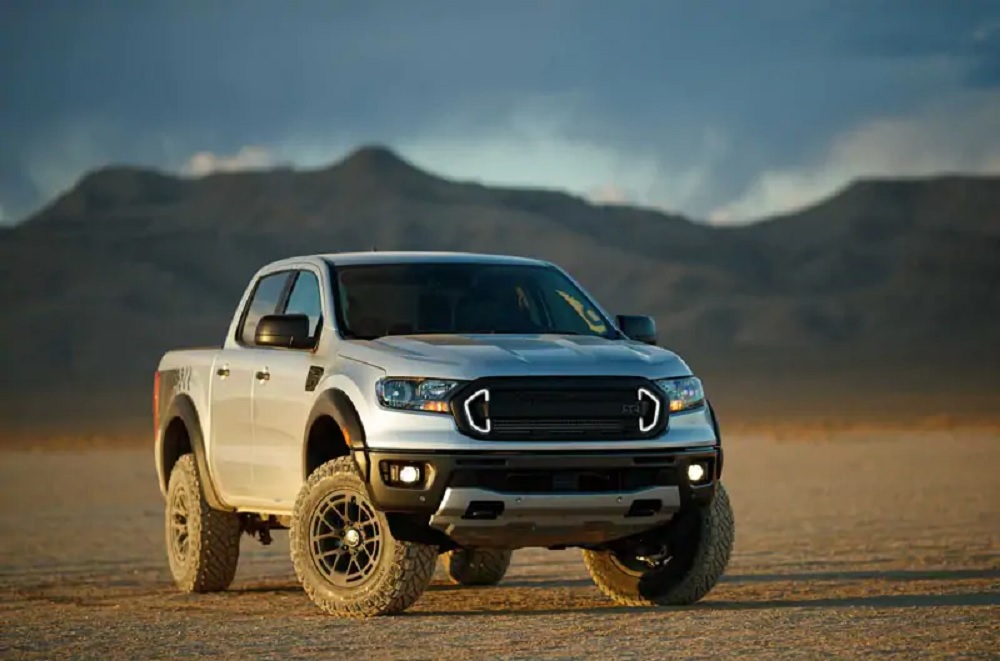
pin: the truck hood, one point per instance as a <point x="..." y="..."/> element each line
<point x="469" y="357"/>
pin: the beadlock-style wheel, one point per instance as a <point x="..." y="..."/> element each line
<point x="343" y="550"/>
<point x="203" y="544"/>
<point x="346" y="539"/>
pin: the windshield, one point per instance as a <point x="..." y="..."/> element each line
<point x="430" y="298"/>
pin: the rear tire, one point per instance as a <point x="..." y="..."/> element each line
<point x="699" y="555"/>
<point x="344" y="553"/>
<point x="476" y="566"/>
<point x="203" y="544"/>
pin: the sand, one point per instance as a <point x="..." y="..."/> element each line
<point x="880" y="543"/>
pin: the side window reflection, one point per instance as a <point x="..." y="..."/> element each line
<point x="305" y="299"/>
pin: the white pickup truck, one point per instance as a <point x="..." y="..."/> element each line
<point x="388" y="408"/>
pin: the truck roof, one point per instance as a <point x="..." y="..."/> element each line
<point x="374" y="257"/>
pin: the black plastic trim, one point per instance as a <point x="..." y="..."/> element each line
<point x="313" y="377"/>
<point x="337" y="405"/>
<point x="503" y="455"/>
<point x="718" y="439"/>
<point x="183" y="408"/>
<point x="443" y="467"/>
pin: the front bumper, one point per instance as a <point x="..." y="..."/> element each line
<point x="517" y="499"/>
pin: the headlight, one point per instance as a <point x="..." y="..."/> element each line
<point x="683" y="393"/>
<point x="415" y="394"/>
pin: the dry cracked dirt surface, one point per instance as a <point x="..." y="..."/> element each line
<point x="883" y="544"/>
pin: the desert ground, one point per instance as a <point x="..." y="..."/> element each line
<point x="853" y="544"/>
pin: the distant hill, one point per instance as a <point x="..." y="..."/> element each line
<point x="131" y="262"/>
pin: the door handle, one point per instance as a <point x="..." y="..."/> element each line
<point x="264" y="375"/>
<point x="223" y="371"/>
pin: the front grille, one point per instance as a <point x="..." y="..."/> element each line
<point x="563" y="408"/>
<point x="594" y="428"/>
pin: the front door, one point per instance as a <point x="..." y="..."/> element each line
<point x="282" y="401"/>
<point x="230" y="450"/>
<point x="281" y="405"/>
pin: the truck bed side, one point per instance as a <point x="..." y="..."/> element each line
<point x="185" y="373"/>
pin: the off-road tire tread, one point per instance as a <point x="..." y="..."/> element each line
<point x="476" y="566"/>
<point x="412" y="565"/>
<point x="213" y="535"/>
<point x="711" y="558"/>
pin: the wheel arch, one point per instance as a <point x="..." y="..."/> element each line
<point x="181" y="434"/>
<point x="333" y="429"/>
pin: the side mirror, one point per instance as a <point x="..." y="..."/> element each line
<point x="290" y="331"/>
<point x="637" y="327"/>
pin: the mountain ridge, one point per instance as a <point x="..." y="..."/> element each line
<point x="381" y="163"/>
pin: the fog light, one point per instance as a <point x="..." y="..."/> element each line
<point x="696" y="472"/>
<point x="409" y="474"/>
<point x="404" y="475"/>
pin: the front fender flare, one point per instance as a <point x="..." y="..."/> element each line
<point x="718" y="437"/>
<point x="336" y="404"/>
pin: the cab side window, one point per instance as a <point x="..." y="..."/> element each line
<point x="305" y="299"/>
<point x="264" y="301"/>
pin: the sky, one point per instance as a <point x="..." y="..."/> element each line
<point x="723" y="110"/>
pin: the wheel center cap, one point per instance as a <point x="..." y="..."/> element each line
<point x="352" y="537"/>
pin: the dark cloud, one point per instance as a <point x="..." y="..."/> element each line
<point x="685" y="86"/>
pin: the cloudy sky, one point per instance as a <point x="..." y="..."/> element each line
<point x="723" y="110"/>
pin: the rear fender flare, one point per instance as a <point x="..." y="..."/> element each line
<point x="183" y="409"/>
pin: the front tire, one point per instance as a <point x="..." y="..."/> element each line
<point x="203" y="544"/>
<point x="477" y="566"/>
<point x="697" y="552"/>
<point x="344" y="553"/>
